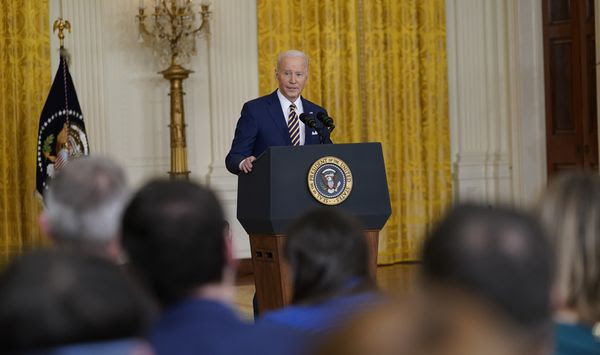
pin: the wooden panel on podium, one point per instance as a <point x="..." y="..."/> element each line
<point x="372" y="237"/>
<point x="271" y="275"/>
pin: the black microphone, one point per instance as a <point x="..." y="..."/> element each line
<point x="309" y="120"/>
<point x="326" y="120"/>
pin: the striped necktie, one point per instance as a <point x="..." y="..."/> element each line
<point x="293" y="125"/>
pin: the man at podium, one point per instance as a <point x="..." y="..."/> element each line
<point x="275" y="119"/>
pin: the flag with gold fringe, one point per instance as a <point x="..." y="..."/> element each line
<point x="61" y="132"/>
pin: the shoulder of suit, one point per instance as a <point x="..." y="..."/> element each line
<point x="272" y="97"/>
<point x="311" y="106"/>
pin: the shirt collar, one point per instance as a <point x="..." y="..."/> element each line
<point x="286" y="103"/>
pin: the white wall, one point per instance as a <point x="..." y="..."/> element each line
<point x="496" y="100"/>
<point x="125" y="102"/>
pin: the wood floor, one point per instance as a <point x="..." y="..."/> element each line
<point x="390" y="278"/>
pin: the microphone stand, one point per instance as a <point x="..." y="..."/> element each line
<point x="320" y="133"/>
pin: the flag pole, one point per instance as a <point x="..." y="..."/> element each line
<point x="61" y="25"/>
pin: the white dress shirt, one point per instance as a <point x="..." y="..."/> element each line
<point x="285" y="107"/>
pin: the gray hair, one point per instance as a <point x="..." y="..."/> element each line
<point x="85" y="200"/>
<point x="292" y="53"/>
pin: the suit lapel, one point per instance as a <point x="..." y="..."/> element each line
<point x="277" y="115"/>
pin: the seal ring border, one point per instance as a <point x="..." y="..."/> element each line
<point x="347" y="175"/>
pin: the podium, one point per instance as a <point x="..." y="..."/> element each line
<point x="277" y="192"/>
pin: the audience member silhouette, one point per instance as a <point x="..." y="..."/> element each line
<point x="486" y="277"/>
<point x="175" y="235"/>
<point x="57" y="301"/>
<point x="570" y="212"/>
<point x="328" y="260"/>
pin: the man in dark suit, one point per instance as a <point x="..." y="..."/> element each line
<point x="177" y="241"/>
<point x="173" y="232"/>
<point x="273" y="120"/>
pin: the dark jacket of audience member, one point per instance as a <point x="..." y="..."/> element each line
<point x="328" y="259"/>
<point x="570" y="211"/>
<point x="53" y="298"/>
<point x="487" y="274"/>
<point x="174" y="234"/>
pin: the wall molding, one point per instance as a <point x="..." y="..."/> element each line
<point x="483" y="177"/>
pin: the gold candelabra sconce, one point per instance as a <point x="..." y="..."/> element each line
<point x="171" y="32"/>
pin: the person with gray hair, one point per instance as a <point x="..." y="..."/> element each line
<point x="83" y="206"/>
<point x="274" y="119"/>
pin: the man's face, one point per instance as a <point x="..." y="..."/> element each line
<point x="291" y="75"/>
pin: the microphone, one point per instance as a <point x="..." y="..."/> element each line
<point x="326" y="120"/>
<point x="309" y="120"/>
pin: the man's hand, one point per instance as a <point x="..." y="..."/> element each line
<point x="246" y="165"/>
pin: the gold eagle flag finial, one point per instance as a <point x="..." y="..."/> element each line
<point x="61" y="25"/>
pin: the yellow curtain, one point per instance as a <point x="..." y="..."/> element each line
<point x="24" y="84"/>
<point x="379" y="67"/>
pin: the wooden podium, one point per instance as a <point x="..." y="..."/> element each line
<point x="276" y="193"/>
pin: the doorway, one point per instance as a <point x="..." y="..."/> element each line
<point x="570" y="85"/>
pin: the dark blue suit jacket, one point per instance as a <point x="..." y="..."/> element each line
<point x="262" y="125"/>
<point x="196" y="327"/>
<point x="201" y="326"/>
<point x="323" y="317"/>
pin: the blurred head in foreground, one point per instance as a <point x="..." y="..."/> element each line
<point x="327" y="259"/>
<point x="486" y="276"/>
<point x="570" y="212"/>
<point x="83" y="206"/>
<point x="389" y="328"/>
<point x="56" y="297"/>
<point x="175" y="236"/>
<point x="327" y="255"/>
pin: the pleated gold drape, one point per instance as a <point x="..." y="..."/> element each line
<point x="24" y="84"/>
<point x="379" y="67"/>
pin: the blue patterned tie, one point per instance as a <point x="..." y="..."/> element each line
<point x="294" y="126"/>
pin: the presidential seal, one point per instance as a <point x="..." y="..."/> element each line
<point x="330" y="180"/>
